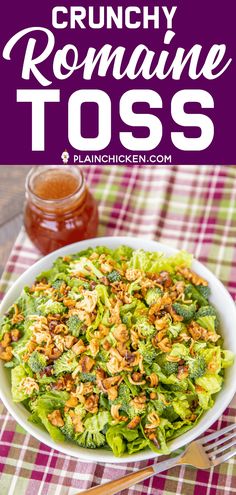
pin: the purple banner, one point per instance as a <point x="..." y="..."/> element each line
<point x="132" y="83"/>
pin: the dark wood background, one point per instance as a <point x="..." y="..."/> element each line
<point x="12" y="191"/>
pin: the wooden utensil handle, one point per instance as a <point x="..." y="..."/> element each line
<point x="120" y="484"/>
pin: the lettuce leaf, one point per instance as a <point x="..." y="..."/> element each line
<point x="139" y="443"/>
<point x="205" y="400"/>
<point x="117" y="438"/>
<point x="86" y="267"/>
<point x="43" y="406"/>
<point x="210" y="383"/>
<point x="207" y="322"/>
<point x="121" y="253"/>
<point x="156" y="261"/>
<point x="227" y="358"/>
<point x="97" y="422"/>
<point x="212" y="357"/>
<point x="181" y="407"/>
<point x="17" y="375"/>
<point x="179" y="350"/>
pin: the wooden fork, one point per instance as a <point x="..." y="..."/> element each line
<point x="204" y="453"/>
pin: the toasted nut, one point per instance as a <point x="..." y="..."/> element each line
<point x="94" y="347"/>
<point x="133" y="423"/>
<point x="165" y="279"/>
<point x="77" y="423"/>
<point x="161" y="334"/>
<point x="69" y="341"/>
<point x="112" y="393"/>
<point x="52" y="325"/>
<point x="6" y="354"/>
<point x="6" y="340"/>
<point x="106" y="268"/>
<point x="109" y="382"/>
<point x="64" y="383"/>
<point x="100" y="374"/>
<point x="86" y="363"/>
<point x="103" y="330"/>
<point x="69" y="303"/>
<point x="106" y="345"/>
<point x="136" y="376"/>
<point x="153" y="395"/>
<point x="162" y="323"/>
<point x="160" y="304"/>
<point x="94" y="256"/>
<point x="91" y="404"/>
<point x="55" y="418"/>
<point x="72" y="401"/>
<point x="139" y="402"/>
<point x="182" y="372"/>
<point x="121" y="333"/>
<point x="15" y="335"/>
<point x="54" y="354"/>
<point x="104" y="280"/>
<point x="79" y="347"/>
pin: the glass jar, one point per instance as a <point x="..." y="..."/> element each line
<point x="59" y="208"/>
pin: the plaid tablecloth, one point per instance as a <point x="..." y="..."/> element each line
<point x="190" y="207"/>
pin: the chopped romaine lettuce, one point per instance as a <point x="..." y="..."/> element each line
<point x="17" y="376"/>
<point x="227" y="358"/>
<point x="133" y="368"/>
<point x="156" y="262"/>
<point x="210" y="383"/>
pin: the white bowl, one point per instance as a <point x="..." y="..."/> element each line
<point x="219" y="297"/>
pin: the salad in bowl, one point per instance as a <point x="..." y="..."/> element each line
<point x="115" y="348"/>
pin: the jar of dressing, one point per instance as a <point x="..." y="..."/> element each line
<point x="59" y="208"/>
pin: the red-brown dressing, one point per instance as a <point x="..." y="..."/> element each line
<point x="59" y="209"/>
<point x="54" y="184"/>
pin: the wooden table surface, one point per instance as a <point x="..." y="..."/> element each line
<point x="12" y="191"/>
